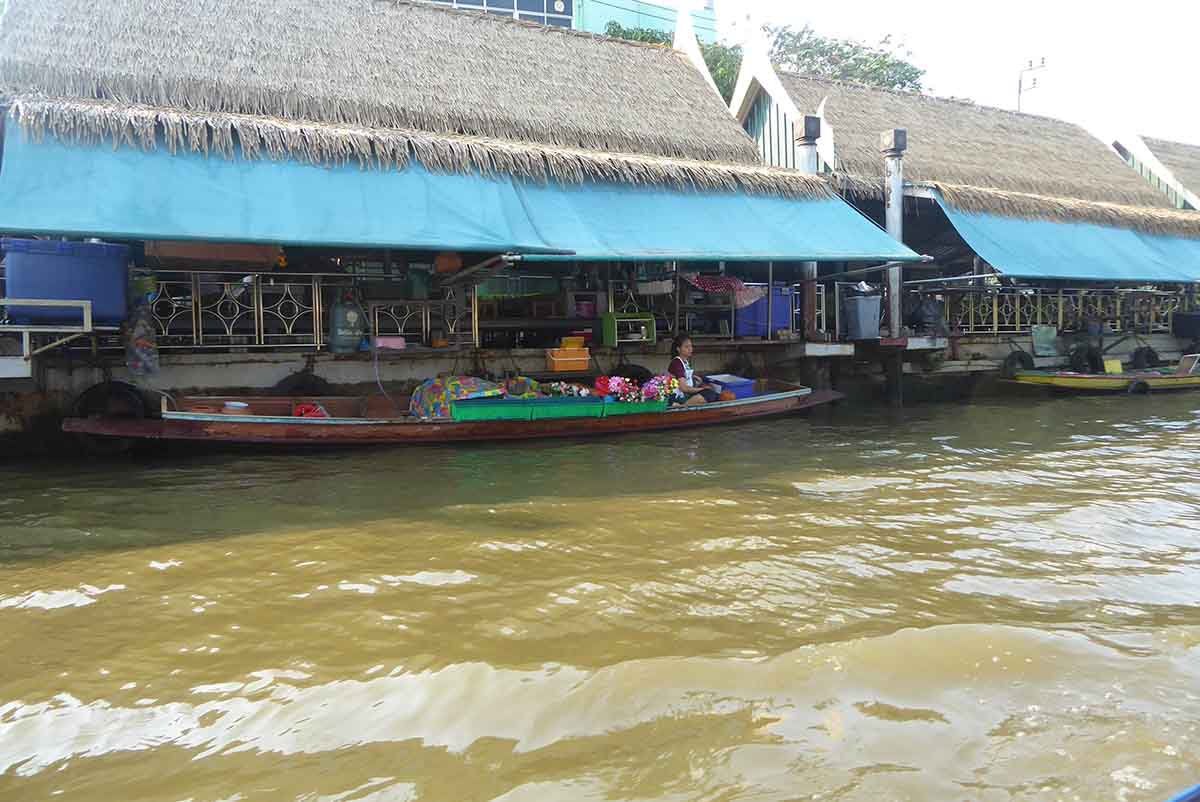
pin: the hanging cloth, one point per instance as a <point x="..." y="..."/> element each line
<point x="743" y="296"/>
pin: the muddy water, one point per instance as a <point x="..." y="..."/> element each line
<point x="988" y="602"/>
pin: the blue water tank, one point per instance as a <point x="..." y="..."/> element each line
<point x="751" y="321"/>
<point x="71" y="271"/>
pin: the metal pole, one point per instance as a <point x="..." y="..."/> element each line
<point x="475" y="333"/>
<point x="942" y="280"/>
<point x="770" y="300"/>
<point x="678" y="299"/>
<point x="861" y="271"/>
<point x="893" y="144"/>
<point x="807" y="161"/>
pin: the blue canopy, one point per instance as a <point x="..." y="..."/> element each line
<point x="620" y="222"/>
<point x="49" y="187"/>
<point x="1024" y="248"/>
<point x="125" y="193"/>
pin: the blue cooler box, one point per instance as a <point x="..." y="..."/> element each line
<point x="66" y="271"/>
<point x="742" y="388"/>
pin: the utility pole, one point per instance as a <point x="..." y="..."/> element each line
<point x="1022" y="88"/>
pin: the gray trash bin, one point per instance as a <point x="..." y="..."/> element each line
<point x="860" y="316"/>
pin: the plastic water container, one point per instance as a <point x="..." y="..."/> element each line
<point x="860" y="317"/>
<point x="66" y="271"/>
<point x="751" y="321"/>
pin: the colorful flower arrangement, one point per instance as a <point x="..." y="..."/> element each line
<point x="660" y="388"/>
<point x="625" y="390"/>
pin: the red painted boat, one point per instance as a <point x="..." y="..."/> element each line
<point x="374" y="420"/>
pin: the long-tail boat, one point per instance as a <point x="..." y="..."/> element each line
<point x="1185" y="376"/>
<point x="377" y="419"/>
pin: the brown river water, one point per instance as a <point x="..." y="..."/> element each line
<point x="998" y="601"/>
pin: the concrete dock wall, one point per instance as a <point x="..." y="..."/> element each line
<point x="30" y="410"/>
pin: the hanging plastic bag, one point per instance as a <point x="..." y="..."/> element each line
<point x="141" y="342"/>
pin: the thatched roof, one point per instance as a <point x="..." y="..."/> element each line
<point x="1171" y="222"/>
<point x="379" y="81"/>
<point x="1181" y="159"/>
<point x="965" y="144"/>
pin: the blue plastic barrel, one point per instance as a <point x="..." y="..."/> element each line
<point x="66" y="271"/>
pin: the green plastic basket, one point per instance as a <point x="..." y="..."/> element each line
<point x="490" y="409"/>
<point x="553" y="408"/>
<point x="612" y="408"/>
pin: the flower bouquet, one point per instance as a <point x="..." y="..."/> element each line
<point x="624" y="390"/>
<point x="567" y="389"/>
<point x="660" y="388"/>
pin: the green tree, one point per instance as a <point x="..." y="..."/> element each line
<point x="723" y="61"/>
<point x="806" y="52"/>
<point x="803" y="51"/>
<point x="647" y="35"/>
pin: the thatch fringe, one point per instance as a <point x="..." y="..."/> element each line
<point x="856" y="186"/>
<point x="1041" y="207"/>
<point x="250" y="137"/>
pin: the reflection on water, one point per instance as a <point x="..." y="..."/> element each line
<point x="992" y="602"/>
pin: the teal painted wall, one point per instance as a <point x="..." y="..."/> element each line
<point x="774" y="132"/>
<point x="594" y="15"/>
<point x="1152" y="178"/>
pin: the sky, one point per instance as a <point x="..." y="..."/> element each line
<point x="1114" y="68"/>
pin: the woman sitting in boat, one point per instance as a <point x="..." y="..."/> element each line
<point x="692" y="388"/>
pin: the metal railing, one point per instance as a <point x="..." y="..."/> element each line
<point x="798" y="309"/>
<point x="270" y="310"/>
<point x="1015" y="310"/>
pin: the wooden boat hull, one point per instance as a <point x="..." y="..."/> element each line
<point x="367" y="431"/>
<point x="1106" y="383"/>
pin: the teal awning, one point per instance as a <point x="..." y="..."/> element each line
<point x="1046" y="249"/>
<point x="127" y="193"/>
<point x="622" y="223"/>
<point x="57" y="189"/>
